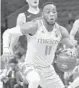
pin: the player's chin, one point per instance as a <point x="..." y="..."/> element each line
<point x="52" y="22"/>
<point x="35" y="4"/>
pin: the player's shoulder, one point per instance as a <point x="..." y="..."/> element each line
<point x="7" y="31"/>
<point x="62" y="29"/>
<point x="27" y="13"/>
<point x="76" y="22"/>
<point x="21" y="14"/>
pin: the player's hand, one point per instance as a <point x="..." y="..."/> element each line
<point x="70" y="52"/>
<point x="6" y="57"/>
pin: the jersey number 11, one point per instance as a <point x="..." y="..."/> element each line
<point x="48" y="49"/>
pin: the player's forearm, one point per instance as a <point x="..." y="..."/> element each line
<point x="72" y="37"/>
<point x="7" y="37"/>
<point x="6" y="41"/>
<point x="74" y="29"/>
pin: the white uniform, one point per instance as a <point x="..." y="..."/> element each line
<point x="9" y="39"/>
<point x="40" y="55"/>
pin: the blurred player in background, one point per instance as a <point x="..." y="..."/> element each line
<point x="33" y="12"/>
<point x="41" y="48"/>
<point x="75" y="72"/>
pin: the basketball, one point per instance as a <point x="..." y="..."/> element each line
<point x="66" y="62"/>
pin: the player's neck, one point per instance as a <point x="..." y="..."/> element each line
<point x="48" y="26"/>
<point x="33" y="10"/>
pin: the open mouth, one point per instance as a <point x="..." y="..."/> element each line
<point x="51" y="19"/>
<point x="35" y="2"/>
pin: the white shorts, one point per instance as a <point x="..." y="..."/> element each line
<point x="48" y="77"/>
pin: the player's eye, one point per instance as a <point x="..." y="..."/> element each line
<point x="48" y="12"/>
<point x="53" y="12"/>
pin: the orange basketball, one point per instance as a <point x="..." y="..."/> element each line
<point x="65" y="62"/>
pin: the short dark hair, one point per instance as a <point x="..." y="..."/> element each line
<point x="47" y="4"/>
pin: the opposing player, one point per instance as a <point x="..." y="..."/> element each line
<point x="10" y="45"/>
<point x="33" y="12"/>
<point x="42" y="45"/>
<point x="75" y="72"/>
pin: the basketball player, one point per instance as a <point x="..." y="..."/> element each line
<point x="33" y="12"/>
<point x="10" y="45"/>
<point x="73" y="33"/>
<point x="42" y="45"/>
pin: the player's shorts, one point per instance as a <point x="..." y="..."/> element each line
<point x="48" y="76"/>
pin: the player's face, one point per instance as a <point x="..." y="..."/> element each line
<point x="33" y="3"/>
<point x="50" y="13"/>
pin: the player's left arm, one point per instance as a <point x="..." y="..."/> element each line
<point x="74" y="29"/>
<point x="66" y="38"/>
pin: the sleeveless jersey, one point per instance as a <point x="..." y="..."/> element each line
<point x="31" y="16"/>
<point x="42" y="46"/>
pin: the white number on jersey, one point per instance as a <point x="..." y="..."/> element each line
<point x="48" y="49"/>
